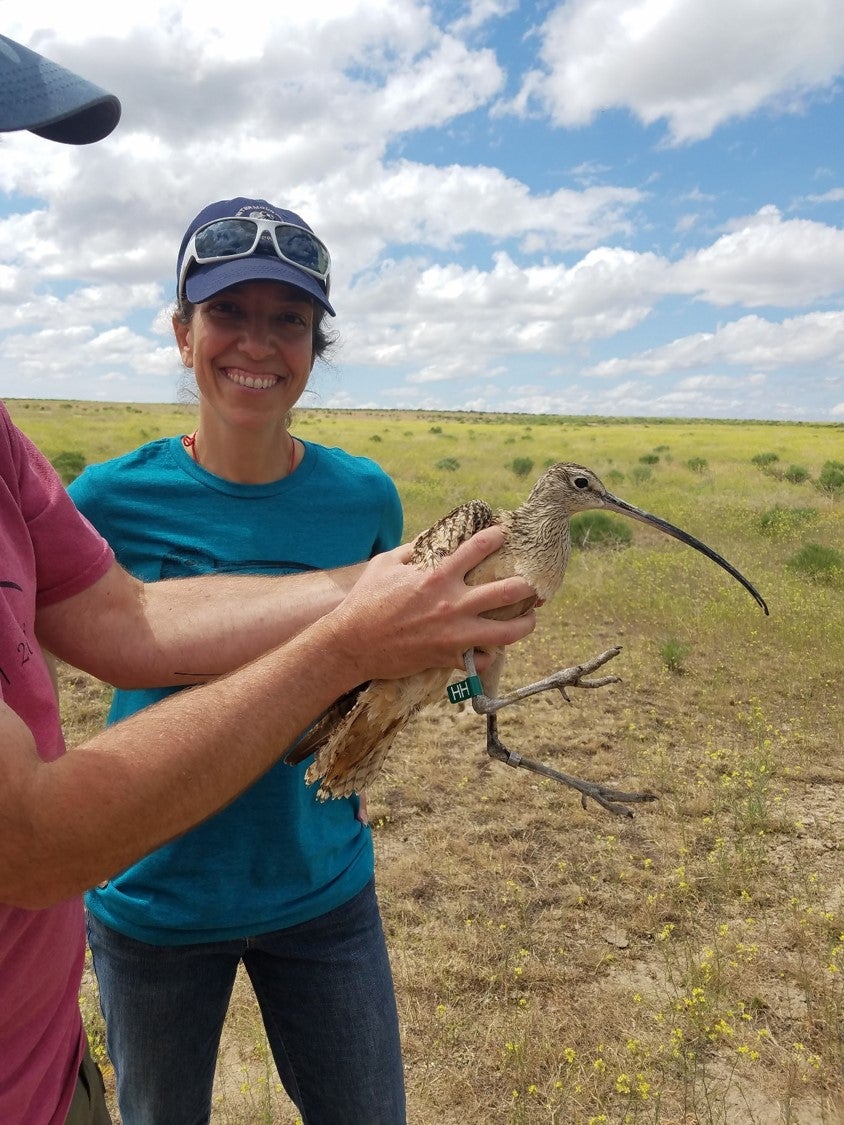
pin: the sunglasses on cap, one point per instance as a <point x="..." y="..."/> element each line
<point x="239" y="238"/>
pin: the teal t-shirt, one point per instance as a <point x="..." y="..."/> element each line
<point x="276" y="856"/>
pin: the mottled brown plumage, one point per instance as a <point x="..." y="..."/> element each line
<point x="352" y="739"/>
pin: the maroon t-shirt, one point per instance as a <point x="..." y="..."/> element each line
<point x="48" y="552"/>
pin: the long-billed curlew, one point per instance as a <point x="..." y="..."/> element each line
<point x="352" y="739"/>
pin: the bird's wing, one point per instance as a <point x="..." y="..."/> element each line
<point x="430" y="548"/>
<point x="355" y="750"/>
<point x="352" y="738"/>
<point x="445" y="536"/>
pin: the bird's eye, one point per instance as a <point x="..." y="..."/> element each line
<point x="581" y="482"/>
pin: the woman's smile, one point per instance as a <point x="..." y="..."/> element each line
<point x="250" y="380"/>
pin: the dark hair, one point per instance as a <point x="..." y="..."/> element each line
<point x="321" y="340"/>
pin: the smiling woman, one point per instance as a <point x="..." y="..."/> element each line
<point x="277" y="880"/>
<point x="252" y="294"/>
<point x="251" y="348"/>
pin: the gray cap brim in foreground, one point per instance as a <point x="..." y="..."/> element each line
<point x="49" y="100"/>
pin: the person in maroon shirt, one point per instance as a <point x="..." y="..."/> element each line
<point x="71" y="820"/>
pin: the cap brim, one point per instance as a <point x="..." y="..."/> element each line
<point x="49" y="100"/>
<point x="204" y="281"/>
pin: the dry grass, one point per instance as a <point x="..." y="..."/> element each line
<point x="559" y="965"/>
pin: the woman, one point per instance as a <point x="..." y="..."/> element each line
<point x="277" y="880"/>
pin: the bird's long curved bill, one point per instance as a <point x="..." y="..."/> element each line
<point x="626" y="509"/>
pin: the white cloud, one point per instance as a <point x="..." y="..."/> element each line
<point x="479" y="12"/>
<point x="693" y="64"/>
<point x="834" y="195"/>
<point x="809" y="342"/>
<point x="508" y="309"/>
<point x="765" y="260"/>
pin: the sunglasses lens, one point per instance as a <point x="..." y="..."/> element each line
<point x="227" y="237"/>
<point x="233" y="238"/>
<point x="302" y="248"/>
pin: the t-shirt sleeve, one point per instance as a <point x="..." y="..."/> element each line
<point x="69" y="554"/>
<point x="87" y="496"/>
<point x="392" y="518"/>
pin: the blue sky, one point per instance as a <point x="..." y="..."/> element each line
<point x="626" y="207"/>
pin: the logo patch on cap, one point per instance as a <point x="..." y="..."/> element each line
<point x="258" y="213"/>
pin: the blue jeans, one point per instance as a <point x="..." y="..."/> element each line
<point x="326" y="996"/>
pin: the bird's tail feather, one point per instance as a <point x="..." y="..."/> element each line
<point x="318" y="734"/>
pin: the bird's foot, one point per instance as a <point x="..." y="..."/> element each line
<point x="613" y="800"/>
<point x="565" y="677"/>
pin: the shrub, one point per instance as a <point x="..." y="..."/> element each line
<point x="376" y="437"/>
<point x="673" y="655"/>
<point x="435" y="430"/>
<point x="69" y="464"/>
<point x="785" y="521"/>
<point x="649" y="459"/>
<point x="697" y="464"/>
<point x="831" y="478"/>
<point x="597" y="529"/>
<point x="641" y="473"/>
<point x="522" y="466"/>
<point x="450" y="464"/>
<point x="796" y="474"/>
<point x="614" y="476"/>
<point x="821" y="564"/>
<point x="765" y="460"/>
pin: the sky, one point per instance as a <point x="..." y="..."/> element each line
<point x="612" y="207"/>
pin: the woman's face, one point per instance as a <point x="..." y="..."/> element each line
<point x="251" y="350"/>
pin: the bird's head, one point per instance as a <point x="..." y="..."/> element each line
<point x="577" y="489"/>
<point x="571" y="488"/>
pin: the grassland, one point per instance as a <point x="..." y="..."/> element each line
<point x="555" y="964"/>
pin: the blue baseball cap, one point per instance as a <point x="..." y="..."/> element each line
<point x="204" y="279"/>
<point x="49" y="100"/>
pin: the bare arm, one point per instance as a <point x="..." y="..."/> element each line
<point x="65" y="825"/>
<point x="187" y="630"/>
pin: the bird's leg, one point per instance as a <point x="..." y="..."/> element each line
<point x="566" y="677"/>
<point x="613" y="800"/>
